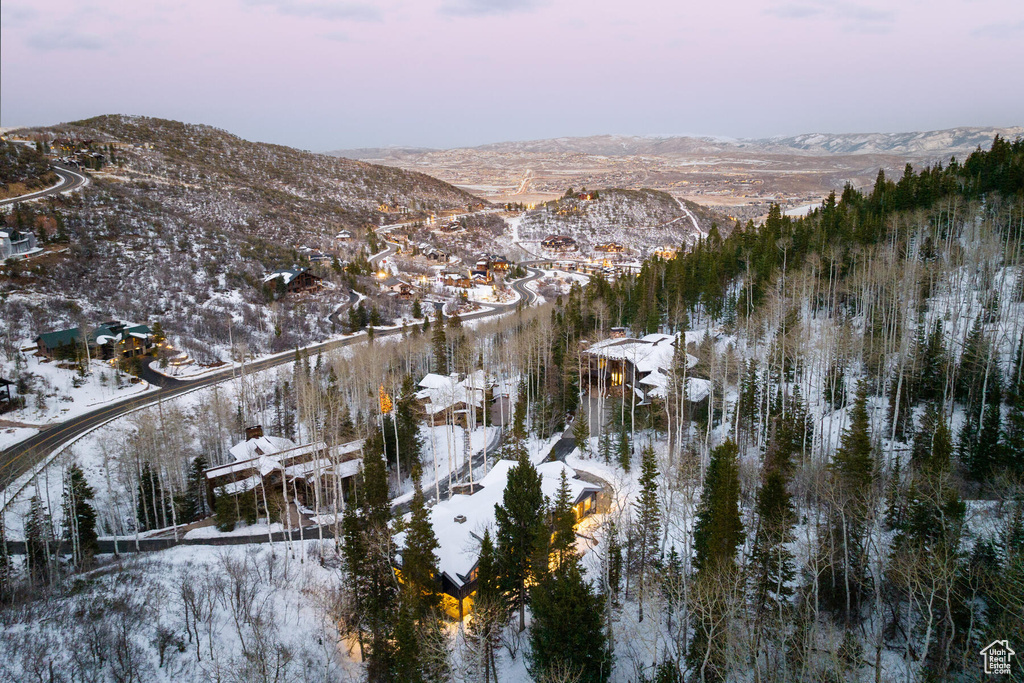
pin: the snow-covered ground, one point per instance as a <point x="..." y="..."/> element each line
<point x="259" y="607"/>
<point x="241" y="529"/>
<point x="490" y="294"/>
<point x="55" y="393"/>
<point x="560" y="281"/>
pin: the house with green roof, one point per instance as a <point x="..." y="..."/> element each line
<point x="111" y="339"/>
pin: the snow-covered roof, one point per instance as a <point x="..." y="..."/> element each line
<point x="264" y="445"/>
<point x="294" y="460"/>
<point x="322" y="466"/>
<point x="441" y="391"/>
<point x="247" y="484"/>
<point x="697" y="389"/>
<point x="459" y="543"/>
<point x="286" y="275"/>
<point x="650" y="353"/>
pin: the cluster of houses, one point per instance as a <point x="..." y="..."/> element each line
<point x="16" y="243"/>
<point x="320" y="477"/>
<point x="77" y="152"/>
<point x="610" y="248"/>
<point x="397" y="286"/>
<point x="451" y="226"/>
<point x="108" y="341"/>
<point x="324" y="479"/>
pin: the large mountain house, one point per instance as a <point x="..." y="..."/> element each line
<point x="459" y="525"/>
<point x="110" y="340"/>
<point x="642" y="365"/>
<point x="17" y="244"/>
<point x="294" y="280"/>
<point x="318" y="476"/>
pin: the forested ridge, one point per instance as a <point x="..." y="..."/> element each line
<point x="838" y="232"/>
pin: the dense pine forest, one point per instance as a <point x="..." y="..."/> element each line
<point x="845" y="504"/>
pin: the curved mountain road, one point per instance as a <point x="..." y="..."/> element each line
<point x="70" y="180"/>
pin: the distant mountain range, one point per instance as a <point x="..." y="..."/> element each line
<point x="929" y="144"/>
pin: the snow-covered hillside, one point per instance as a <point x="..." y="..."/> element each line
<point x="640" y="220"/>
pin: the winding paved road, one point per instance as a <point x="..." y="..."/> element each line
<point x="70" y="180"/>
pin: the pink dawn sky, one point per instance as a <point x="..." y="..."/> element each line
<point x="320" y="74"/>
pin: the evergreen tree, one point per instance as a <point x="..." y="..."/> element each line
<point x="39" y="542"/>
<point x="718" y="531"/>
<point x="563" y="523"/>
<point x="932" y="447"/>
<point x="647" y="550"/>
<point x="419" y="563"/>
<point x="522" y="534"/>
<point x="927" y="543"/>
<point x="420" y="645"/>
<point x="614" y="560"/>
<point x="717" y="535"/>
<point x="488" y="613"/>
<point x="931" y="366"/>
<point x="355" y="574"/>
<point x="854" y="471"/>
<point x="567" y="629"/>
<point x="514" y="447"/>
<point x="194" y="505"/>
<point x="854" y="462"/>
<point x="771" y="563"/>
<point x="346" y="428"/>
<point x="624" y="449"/>
<point x="895" y="497"/>
<point x="79" y="517"/>
<point x="749" y="399"/>
<point x="407" y="664"/>
<point x="974" y="361"/>
<point x="225" y="511"/>
<point x="410" y="441"/>
<point x="987" y="451"/>
<point x="1013" y="436"/>
<point x="605" y="447"/>
<point x="379" y="585"/>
